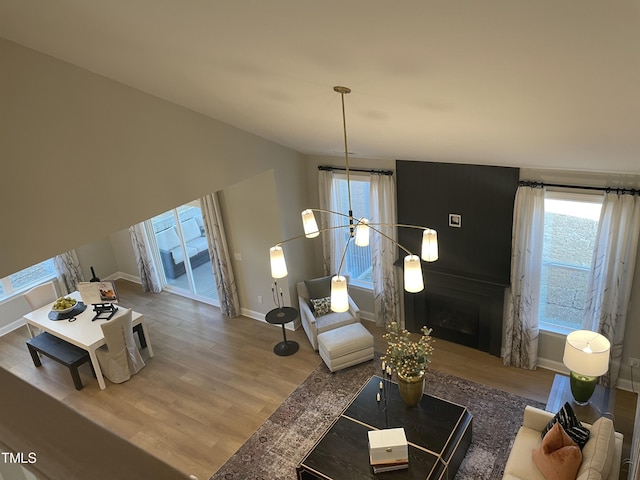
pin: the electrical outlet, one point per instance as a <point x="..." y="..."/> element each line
<point x="634" y="362"/>
<point x="259" y="298"/>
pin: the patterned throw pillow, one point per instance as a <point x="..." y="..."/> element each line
<point x="567" y="418"/>
<point x="321" y="306"/>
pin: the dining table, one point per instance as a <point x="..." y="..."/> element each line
<point x="81" y="329"/>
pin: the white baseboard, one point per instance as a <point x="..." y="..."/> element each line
<point x="12" y="326"/>
<point x="124" y="276"/>
<point x="259" y="316"/>
<point x="623" y="383"/>
<point x="370" y="317"/>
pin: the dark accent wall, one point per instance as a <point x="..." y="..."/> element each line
<point x="427" y="192"/>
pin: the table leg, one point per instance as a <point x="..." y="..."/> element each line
<point x="286" y="347"/>
<point x="97" y="369"/>
<point x="147" y="338"/>
<point x="29" y="330"/>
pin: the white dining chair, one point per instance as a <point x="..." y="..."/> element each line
<point x="119" y="358"/>
<point x="41" y="295"/>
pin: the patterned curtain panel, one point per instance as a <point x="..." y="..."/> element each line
<point x="609" y="290"/>
<point x="382" y="201"/>
<point x="149" y="277"/>
<point x="68" y="269"/>
<point x="332" y="241"/>
<point x="521" y="329"/>
<point x="219" y="253"/>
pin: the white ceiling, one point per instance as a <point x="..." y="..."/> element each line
<point x="548" y="83"/>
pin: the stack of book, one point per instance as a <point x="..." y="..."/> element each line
<point x="389" y="467"/>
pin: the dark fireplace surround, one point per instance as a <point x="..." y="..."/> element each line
<point x="460" y="310"/>
<point x="463" y="298"/>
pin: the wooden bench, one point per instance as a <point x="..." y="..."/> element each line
<point x="62" y="352"/>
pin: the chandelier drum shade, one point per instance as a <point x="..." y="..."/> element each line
<point x="359" y="231"/>
<point x="586" y="355"/>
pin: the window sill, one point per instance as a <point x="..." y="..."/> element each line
<point x="556" y="329"/>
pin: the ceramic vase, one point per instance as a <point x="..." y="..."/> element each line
<point x="411" y="388"/>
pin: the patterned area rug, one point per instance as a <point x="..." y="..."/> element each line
<point x="275" y="449"/>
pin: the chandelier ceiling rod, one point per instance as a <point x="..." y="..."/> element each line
<point x="345" y="91"/>
<point x="359" y="233"/>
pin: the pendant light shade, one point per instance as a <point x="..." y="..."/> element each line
<point x="339" y="294"/>
<point x="310" y="225"/>
<point x="413" y="281"/>
<point x="429" y="245"/>
<point x="358" y="231"/>
<point x="278" y="264"/>
<point x="362" y="233"/>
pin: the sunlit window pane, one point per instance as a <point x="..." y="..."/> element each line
<point x="570" y="227"/>
<point x="358" y="259"/>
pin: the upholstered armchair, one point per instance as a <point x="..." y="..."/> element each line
<point x="315" y="314"/>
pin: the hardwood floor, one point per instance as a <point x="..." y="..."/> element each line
<point x="213" y="381"/>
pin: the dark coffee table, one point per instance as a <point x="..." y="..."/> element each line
<point x="438" y="433"/>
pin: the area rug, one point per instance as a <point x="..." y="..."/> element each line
<point x="275" y="449"/>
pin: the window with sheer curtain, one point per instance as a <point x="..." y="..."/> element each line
<point x="570" y="228"/>
<point x="357" y="262"/>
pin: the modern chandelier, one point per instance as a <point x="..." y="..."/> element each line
<point x="359" y="231"/>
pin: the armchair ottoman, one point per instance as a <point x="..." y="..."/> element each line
<point x="345" y="346"/>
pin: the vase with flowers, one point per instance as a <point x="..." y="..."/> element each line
<point x="409" y="359"/>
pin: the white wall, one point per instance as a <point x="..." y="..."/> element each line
<point x="89" y="156"/>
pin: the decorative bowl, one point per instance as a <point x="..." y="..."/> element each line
<point x="63" y="310"/>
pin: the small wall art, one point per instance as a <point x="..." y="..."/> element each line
<point x="455" y="220"/>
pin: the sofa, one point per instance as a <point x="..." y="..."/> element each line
<point x="601" y="455"/>
<point x="171" y="252"/>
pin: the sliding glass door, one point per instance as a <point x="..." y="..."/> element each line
<point x="182" y="249"/>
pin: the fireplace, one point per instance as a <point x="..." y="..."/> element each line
<point x="460" y="310"/>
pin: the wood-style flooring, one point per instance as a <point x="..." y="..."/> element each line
<point x="213" y="381"/>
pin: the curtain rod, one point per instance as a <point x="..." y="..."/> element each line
<point x="534" y="184"/>
<point x="380" y="172"/>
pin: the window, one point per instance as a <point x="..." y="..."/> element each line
<point x="182" y="249"/>
<point x="25" y="279"/>
<point x="570" y="227"/>
<point x="357" y="263"/>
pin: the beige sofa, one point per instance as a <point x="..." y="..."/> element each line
<point x="601" y="456"/>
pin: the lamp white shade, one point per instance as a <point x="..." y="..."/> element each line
<point x="278" y="264"/>
<point x="429" y="245"/>
<point x="413" y="281"/>
<point x="362" y="233"/>
<point x="339" y="294"/>
<point x="587" y="353"/>
<point x="309" y="224"/>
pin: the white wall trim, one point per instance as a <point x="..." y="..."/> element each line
<point x="12" y="326"/>
<point x="124" y="276"/>
<point x="623" y="383"/>
<point x="259" y="316"/>
<point x="368" y="316"/>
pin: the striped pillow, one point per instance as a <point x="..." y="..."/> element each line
<point x="567" y="418"/>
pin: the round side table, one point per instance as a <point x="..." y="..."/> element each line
<point x="280" y="316"/>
